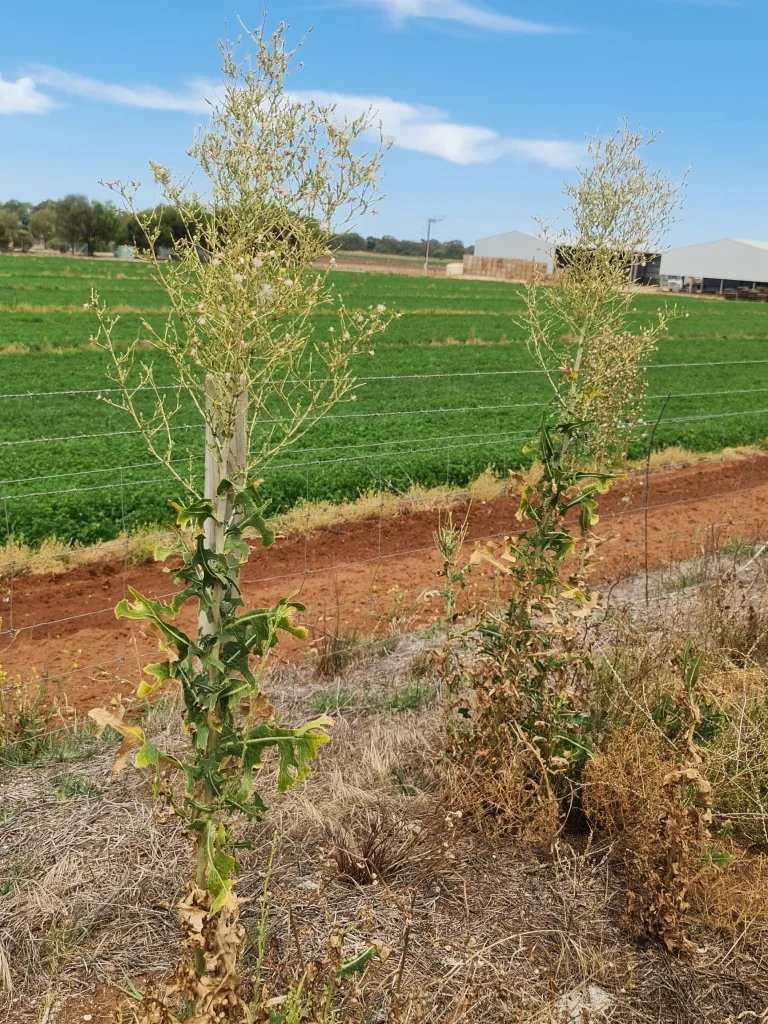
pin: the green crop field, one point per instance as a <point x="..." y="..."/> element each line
<point x="448" y="392"/>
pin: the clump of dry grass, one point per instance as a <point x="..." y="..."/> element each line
<point x="380" y="846"/>
<point x="87" y="887"/>
<point x="54" y="556"/>
<point x="337" y="650"/>
<point x="506" y="797"/>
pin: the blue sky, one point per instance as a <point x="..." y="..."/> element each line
<point x="488" y="100"/>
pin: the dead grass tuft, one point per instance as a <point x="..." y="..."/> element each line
<point x="380" y="846"/>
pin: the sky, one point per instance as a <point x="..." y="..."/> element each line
<point x="488" y="101"/>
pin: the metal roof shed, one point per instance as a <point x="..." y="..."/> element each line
<point x="517" y="245"/>
<point x="727" y="263"/>
<point x="554" y="252"/>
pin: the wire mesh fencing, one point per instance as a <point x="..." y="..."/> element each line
<point x="357" y="503"/>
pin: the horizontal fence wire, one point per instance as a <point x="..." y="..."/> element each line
<point x="303" y="464"/>
<point x="404" y="553"/>
<point x="393" y="413"/>
<point x="394" y="377"/>
<point x="372" y="644"/>
<point x="302" y="451"/>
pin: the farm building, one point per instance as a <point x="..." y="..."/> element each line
<point x="516" y="245"/>
<point x="523" y="246"/>
<point x="716" y="267"/>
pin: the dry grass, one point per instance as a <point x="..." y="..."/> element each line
<point x="85" y="883"/>
<point x="317" y="515"/>
<point x="55" y="556"/>
<point x="676" y="457"/>
<point x="482" y="928"/>
<point x="28" y="307"/>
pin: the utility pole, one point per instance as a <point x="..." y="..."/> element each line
<point x="430" y="222"/>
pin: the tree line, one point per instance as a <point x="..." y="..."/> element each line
<point x="75" y="221"/>
<point x="391" y="246"/>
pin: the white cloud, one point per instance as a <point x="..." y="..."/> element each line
<point x="425" y="129"/>
<point x="149" y="97"/>
<point x="413" y="126"/>
<point x="457" y="10"/>
<point x="22" y="97"/>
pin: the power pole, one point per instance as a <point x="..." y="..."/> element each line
<point x="430" y="222"/>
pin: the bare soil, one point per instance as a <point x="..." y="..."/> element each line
<point x="374" y="575"/>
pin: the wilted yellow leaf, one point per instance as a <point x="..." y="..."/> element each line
<point x="132" y="735"/>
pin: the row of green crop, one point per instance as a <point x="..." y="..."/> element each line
<point x="38" y="332"/>
<point x="434" y="408"/>
<point x="430" y="416"/>
<point x="485" y="303"/>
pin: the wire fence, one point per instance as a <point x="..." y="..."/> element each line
<point x="367" y="566"/>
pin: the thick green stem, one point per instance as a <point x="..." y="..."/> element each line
<point x="211" y="625"/>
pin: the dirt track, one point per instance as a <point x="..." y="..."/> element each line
<point x="360" y="573"/>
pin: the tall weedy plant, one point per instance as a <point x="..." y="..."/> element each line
<point x="584" y="332"/>
<point x="274" y="177"/>
<point x="527" y="731"/>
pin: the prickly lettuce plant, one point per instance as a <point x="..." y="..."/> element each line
<point x="281" y="177"/>
<point x="219" y="671"/>
<point x="584" y="332"/>
<point x="229" y="720"/>
<point x="520" y="729"/>
<point x="524" y="727"/>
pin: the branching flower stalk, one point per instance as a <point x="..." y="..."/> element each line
<point x="281" y="179"/>
<point x="247" y="357"/>
<point x="584" y="331"/>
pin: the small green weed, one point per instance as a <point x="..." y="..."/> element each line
<point x="739" y="548"/>
<point x="412" y="784"/>
<point x="28" y="709"/>
<point x="412" y="697"/>
<point x="64" y="937"/>
<point x="384" y="646"/>
<point x="686" y="576"/>
<point x="68" y="786"/>
<point x="334" y="698"/>
<point x="72" y="742"/>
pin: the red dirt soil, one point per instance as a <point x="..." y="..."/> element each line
<point x="368" y="574"/>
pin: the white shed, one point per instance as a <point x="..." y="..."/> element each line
<point x="521" y="245"/>
<point x="716" y="266"/>
<point x="517" y="245"/>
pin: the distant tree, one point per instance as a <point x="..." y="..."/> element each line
<point x="172" y="227"/>
<point x="42" y="223"/>
<point x="5" y="237"/>
<point x="167" y="219"/>
<point x="23" y="240"/>
<point x="453" y="250"/>
<point x="101" y="226"/>
<point x="22" y="211"/>
<point x="389" y="245"/>
<point x="349" y="242"/>
<point x="73" y="216"/>
<point x="11" y="220"/>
